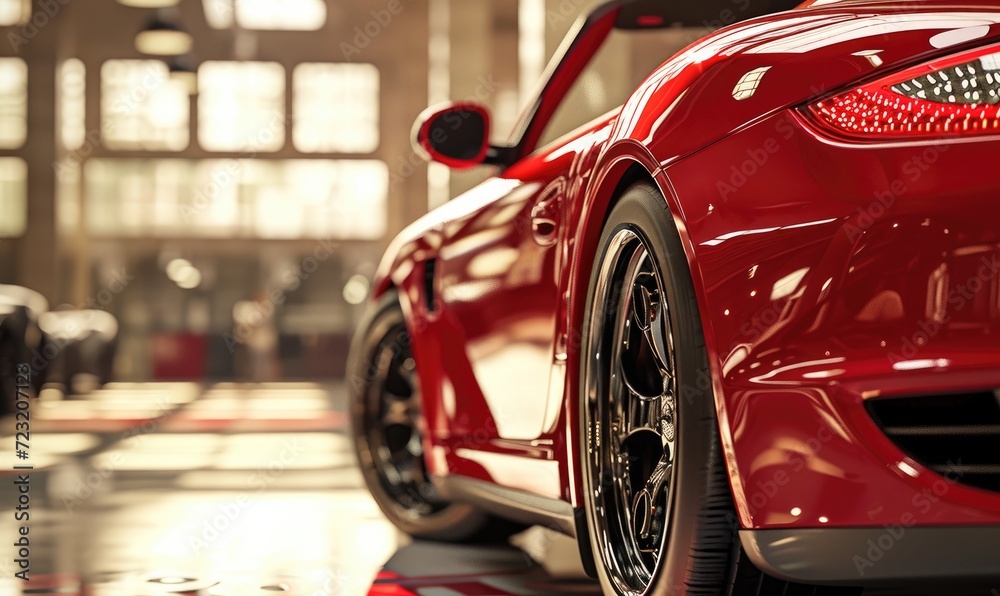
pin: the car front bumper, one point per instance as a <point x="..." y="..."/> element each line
<point x="865" y="556"/>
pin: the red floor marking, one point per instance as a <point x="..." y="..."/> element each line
<point x="464" y="588"/>
<point x="389" y="590"/>
<point x="88" y="425"/>
<point x="54" y="583"/>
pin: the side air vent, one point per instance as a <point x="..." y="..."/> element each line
<point x="957" y="435"/>
<point x="430" y="295"/>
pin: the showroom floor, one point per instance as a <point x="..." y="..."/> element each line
<point x="144" y="489"/>
<point x="230" y="489"/>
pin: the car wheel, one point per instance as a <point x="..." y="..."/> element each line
<point x="659" y="509"/>
<point x="387" y="428"/>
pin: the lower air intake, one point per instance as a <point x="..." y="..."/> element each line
<point x="957" y="435"/>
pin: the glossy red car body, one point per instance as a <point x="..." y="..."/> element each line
<point x="827" y="273"/>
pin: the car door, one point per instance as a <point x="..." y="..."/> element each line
<point x="498" y="282"/>
<point x="497" y="291"/>
<point x="497" y="286"/>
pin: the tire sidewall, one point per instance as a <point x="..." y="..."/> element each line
<point x="642" y="209"/>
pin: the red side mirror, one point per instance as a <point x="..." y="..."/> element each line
<point x="455" y="134"/>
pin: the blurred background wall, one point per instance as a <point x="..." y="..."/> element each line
<point x="266" y="167"/>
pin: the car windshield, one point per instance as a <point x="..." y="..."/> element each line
<point x="627" y="57"/>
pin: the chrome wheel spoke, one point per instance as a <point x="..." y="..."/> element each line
<point x="649" y="313"/>
<point x="647" y="506"/>
<point x="637" y="414"/>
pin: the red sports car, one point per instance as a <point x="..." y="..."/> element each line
<point x="739" y="334"/>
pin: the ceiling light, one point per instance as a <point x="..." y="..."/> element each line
<point x="189" y="278"/>
<point x="163" y="38"/>
<point x="175" y="267"/>
<point x="183" y="72"/>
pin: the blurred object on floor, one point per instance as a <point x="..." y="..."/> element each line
<point x="256" y="339"/>
<point x="79" y="346"/>
<point x="19" y="341"/>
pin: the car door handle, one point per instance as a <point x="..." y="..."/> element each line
<point x="545" y="214"/>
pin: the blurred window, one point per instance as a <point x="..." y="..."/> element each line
<point x="68" y="196"/>
<point x="72" y="103"/>
<point x="141" y="108"/>
<point x="241" y="106"/>
<point x="13" y="196"/>
<point x="299" y="15"/>
<point x="13" y="102"/>
<point x="218" y="13"/>
<point x="13" y="12"/>
<point x="336" y="107"/>
<point x="307" y="15"/>
<point x="249" y="198"/>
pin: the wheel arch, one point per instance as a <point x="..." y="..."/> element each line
<point x="622" y="164"/>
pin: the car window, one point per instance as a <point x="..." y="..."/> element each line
<point x="625" y="60"/>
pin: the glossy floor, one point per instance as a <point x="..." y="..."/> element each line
<point x="229" y="489"/>
<point x="146" y="489"/>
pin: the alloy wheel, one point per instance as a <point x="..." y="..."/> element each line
<point x="630" y="413"/>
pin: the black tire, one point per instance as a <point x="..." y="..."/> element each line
<point x="701" y="552"/>
<point x="14" y="351"/>
<point x="414" y="508"/>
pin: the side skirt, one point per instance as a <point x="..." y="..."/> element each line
<point x="509" y="503"/>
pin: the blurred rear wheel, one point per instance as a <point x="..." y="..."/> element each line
<point x="387" y="426"/>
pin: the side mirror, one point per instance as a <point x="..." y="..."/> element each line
<point x="455" y="134"/>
